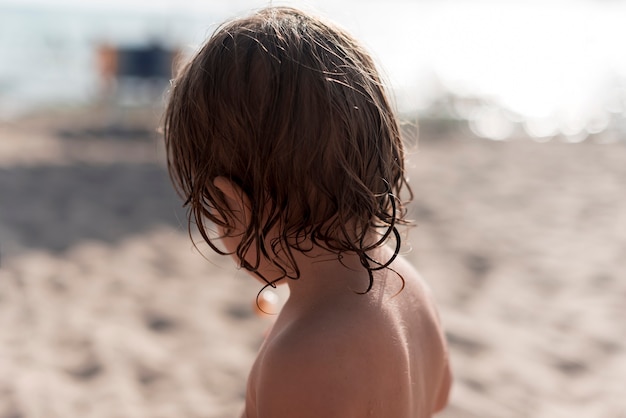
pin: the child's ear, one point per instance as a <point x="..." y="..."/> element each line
<point x="235" y="196"/>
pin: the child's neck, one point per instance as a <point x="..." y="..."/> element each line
<point x="324" y="278"/>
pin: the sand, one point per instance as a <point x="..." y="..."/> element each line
<point x="107" y="309"/>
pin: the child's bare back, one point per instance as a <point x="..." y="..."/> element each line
<point x="342" y="354"/>
<point x="283" y="144"/>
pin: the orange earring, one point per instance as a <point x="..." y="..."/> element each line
<point x="266" y="303"/>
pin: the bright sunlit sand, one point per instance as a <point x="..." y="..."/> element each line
<point x="107" y="310"/>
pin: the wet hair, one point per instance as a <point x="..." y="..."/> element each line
<point x="292" y="110"/>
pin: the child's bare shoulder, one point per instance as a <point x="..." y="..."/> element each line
<point x="318" y="368"/>
<point x="346" y="359"/>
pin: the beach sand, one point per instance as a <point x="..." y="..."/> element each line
<point x="108" y="310"/>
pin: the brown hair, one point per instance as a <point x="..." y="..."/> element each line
<point x="293" y="111"/>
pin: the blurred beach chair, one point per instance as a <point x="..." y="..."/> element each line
<point x="134" y="75"/>
<point x="131" y="78"/>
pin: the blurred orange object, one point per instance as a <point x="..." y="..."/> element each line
<point x="107" y="61"/>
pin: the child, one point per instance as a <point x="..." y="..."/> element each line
<point x="279" y="133"/>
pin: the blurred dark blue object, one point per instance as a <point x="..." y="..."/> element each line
<point x="149" y="62"/>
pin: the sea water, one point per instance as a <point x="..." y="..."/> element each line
<point x="551" y="67"/>
<point x="49" y="57"/>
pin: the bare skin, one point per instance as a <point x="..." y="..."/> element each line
<point x="333" y="352"/>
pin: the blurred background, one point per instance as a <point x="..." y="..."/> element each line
<point x="107" y="309"/>
<point x="541" y="68"/>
